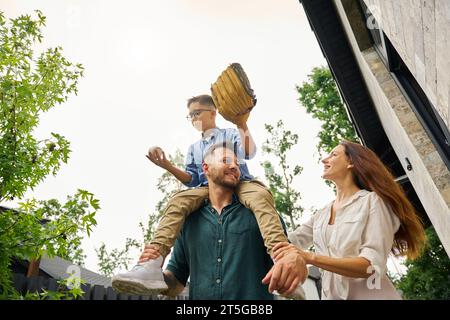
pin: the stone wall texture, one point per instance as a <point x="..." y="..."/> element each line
<point x="409" y="25"/>
<point x="420" y="32"/>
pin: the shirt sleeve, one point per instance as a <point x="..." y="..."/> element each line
<point x="239" y="147"/>
<point x="378" y="234"/>
<point x="178" y="263"/>
<point x="302" y="237"/>
<point x="191" y="168"/>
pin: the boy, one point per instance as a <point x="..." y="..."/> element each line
<point x="148" y="277"/>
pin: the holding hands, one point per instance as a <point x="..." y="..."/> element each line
<point x="283" y="248"/>
<point x="289" y="270"/>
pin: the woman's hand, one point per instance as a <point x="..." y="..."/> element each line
<point x="281" y="249"/>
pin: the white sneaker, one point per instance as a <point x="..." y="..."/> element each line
<point x="144" y="279"/>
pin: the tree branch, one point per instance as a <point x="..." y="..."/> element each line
<point x="23" y="243"/>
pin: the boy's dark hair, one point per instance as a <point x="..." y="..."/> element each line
<point x="203" y="99"/>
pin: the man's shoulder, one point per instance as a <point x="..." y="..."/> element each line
<point x="194" y="216"/>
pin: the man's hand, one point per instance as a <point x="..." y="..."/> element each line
<point x="150" y="252"/>
<point x="157" y="156"/>
<point x="175" y="287"/>
<point x="287" y="273"/>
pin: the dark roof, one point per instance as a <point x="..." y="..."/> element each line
<point x="58" y="268"/>
<point x="96" y="287"/>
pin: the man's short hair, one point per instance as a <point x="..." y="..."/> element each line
<point x="203" y="99"/>
<point x="219" y="145"/>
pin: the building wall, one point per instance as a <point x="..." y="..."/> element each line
<point x="420" y="32"/>
<point x="429" y="177"/>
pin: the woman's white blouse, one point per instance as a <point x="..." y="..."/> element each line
<point x="364" y="227"/>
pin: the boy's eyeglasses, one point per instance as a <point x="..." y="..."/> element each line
<point x="195" y="114"/>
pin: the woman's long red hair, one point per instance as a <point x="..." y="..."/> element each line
<point x="371" y="174"/>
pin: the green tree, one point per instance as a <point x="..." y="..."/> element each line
<point x="320" y="97"/>
<point x="30" y="86"/>
<point x="65" y="291"/>
<point x="110" y="262"/>
<point x="428" y="276"/>
<point x="286" y="198"/>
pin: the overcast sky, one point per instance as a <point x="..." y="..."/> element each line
<point x="143" y="60"/>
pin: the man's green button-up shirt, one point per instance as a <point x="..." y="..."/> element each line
<point x="224" y="255"/>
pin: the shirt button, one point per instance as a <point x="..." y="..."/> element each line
<point x="218" y="280"/>
<point x="220" y="240"/>
<point x="218" y="260"/>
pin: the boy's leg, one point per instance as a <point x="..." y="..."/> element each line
<point x="172" y="220"/>
<point x="258" y="198"/>
<point x="147" y="278"/>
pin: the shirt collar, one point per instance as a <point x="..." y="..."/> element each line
<point x="352" y="199"/>
<point x="234" y="200"/>
<point x="211" y="133"/>
<point x="355" y="196"/>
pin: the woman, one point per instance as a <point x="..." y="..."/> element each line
<point x="354" y="234"/>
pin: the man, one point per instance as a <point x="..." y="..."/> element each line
<point x="220" y="246"/>
<point x="147" y="278"/>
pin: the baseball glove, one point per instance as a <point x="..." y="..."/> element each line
<point x="232" y="93"/>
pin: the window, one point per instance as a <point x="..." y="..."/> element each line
<point x="421" y="105"/>
<point x="424" y="110"/>
<point x="375" y="31"/>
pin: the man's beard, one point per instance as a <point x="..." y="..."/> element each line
<point x="220" y="180"/>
